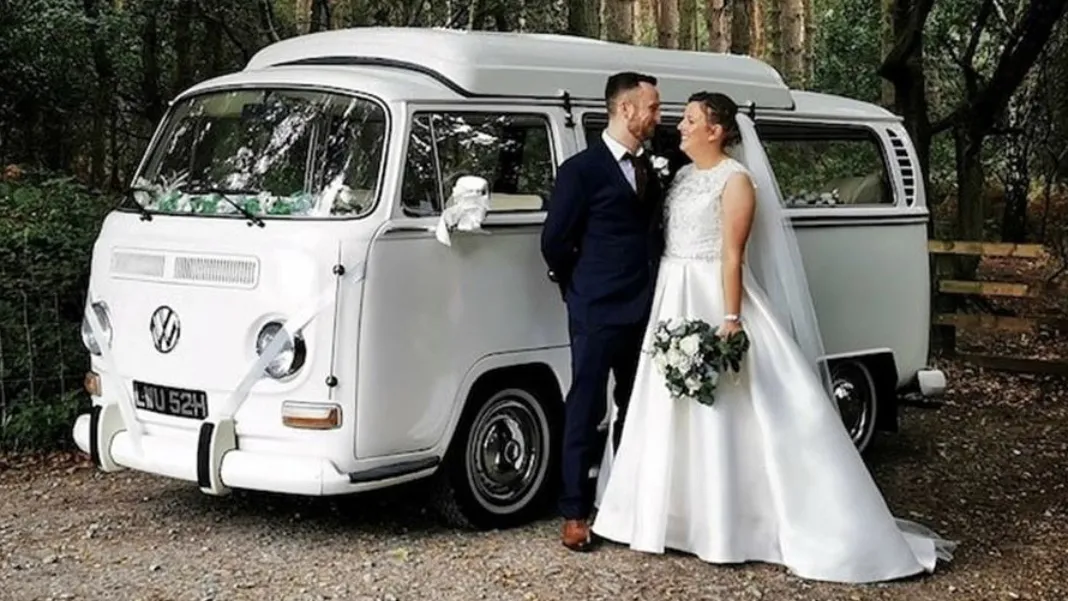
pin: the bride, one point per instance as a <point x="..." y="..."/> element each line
<point x="768" y="472"/>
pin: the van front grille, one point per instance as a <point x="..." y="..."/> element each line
<point x="226" y="271"/>
<point x="214" y="270"/>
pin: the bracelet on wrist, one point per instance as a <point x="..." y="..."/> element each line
<point x="732" y="317"/>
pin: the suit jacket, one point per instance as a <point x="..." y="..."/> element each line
<point x="601" y="242"/>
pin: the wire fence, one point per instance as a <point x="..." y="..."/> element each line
<point x="42" y="366"/>
<point x="47" y="229"/>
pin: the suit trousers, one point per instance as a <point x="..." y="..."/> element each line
<point x="596" y="351"/>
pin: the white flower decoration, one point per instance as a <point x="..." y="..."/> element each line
<point x="660" y="165"/>
<point x="690" y="344"/>
<point x="677" y="359"/>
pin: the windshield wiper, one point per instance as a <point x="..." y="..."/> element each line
<point x="225" y="193"/>
<point x="146" y="215"/>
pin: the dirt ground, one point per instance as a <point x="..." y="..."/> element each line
<point x="988" y="469"/>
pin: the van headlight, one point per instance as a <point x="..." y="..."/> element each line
<point x="88" y="338"/>
<point x="290" y="357"/>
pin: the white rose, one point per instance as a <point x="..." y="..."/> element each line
<point x="692" y="385"/>
<point x="690" y="344"/>
<point x="660" y="164"/>
<point x="676" y="359"/>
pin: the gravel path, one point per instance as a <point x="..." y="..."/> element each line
<point x="987" y="469"/>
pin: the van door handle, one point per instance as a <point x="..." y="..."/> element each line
<point x="411" y="228"/>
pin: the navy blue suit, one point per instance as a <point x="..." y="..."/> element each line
<point x="602" y="244"/>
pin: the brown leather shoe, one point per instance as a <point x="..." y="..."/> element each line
<point x="576" y="535"/>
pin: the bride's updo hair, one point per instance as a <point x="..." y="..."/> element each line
<point x="720" y="109"/>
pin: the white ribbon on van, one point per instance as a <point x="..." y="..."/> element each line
<point x="290" y="328"/>
<point x="465" y="209"/>
<point x="127" y="407"/>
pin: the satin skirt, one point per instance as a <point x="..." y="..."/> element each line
<point x="768" y="473"/>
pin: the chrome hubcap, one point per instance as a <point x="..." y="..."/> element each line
<point x="505" y="451"/>
<point x="855" y="397"/>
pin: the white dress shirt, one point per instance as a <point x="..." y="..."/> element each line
<point x="618" y="150"/>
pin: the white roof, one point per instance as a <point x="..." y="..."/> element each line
<point x="387" y="84"/>
<point x="532" y="65"/>
<point x="815" y="104"/>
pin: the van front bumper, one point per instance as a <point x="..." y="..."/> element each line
<point x="231" y="468"/>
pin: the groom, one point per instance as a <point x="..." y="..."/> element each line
<point x="602" y="242"/>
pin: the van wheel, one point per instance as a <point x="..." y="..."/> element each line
<point x="858" y="400"/>
<point x="498" y="471"/>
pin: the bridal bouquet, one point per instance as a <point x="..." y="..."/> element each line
<point x="691" y="355"/>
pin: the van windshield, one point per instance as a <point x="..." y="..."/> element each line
<point x="274" y="153"/>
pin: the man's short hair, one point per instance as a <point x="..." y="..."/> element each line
<point x="621" y="83"/>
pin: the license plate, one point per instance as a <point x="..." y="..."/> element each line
<point x="178" y="402"/>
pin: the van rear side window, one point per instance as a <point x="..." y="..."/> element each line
<point x="513" y="152"/>
<point x="821" y="165"/>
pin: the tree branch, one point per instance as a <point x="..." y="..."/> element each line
<point x="983" y="105"/>
<point x="895" y="65"/>
<point x="981" y="20"/>
<point x="972" y="77"/>
<point x="246" y="54"/>
<point x="267" y="15"/>
<point x="1020" y="54"/>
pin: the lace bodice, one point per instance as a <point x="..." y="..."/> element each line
<point x="692" y="218"/>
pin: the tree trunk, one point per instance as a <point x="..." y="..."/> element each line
<point x="320" y="16"/>
<point x="810" y="43"/>
<point x="688" y="24"/>
<point x="793" y="42"/>
<point x="1017" y="176"/>
<point x="742" y="26"/>
<point x="903" y="67"/>
<point x="584" y="18"/>
<point x="183" y="46"/>
<point x="757" y="41"/>
<point x="302" y="10"/>
<point x="150" y="69"/>
<point x="500" y="17"/>
<point x="888" y="38"/>
<point x="718" y="16"/>
<point x="102" y="105"/>
<point x="775" y="35"/>
<point x="476" y="15"/>
<point x="1017" y="184"/>
<point x="971" y="196"/>
<point x="667" y="23"/>
<point x="619" y="20"/>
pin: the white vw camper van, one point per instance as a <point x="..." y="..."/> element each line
<point x="282" y="305"/>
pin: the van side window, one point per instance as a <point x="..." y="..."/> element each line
<point x="513" y="152"/>
<point x="820" y="165"/>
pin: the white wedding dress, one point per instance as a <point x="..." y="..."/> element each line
<point x="768" y="473"/>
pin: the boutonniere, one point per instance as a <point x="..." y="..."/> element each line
<point x="662" y="168"/>
<point x="660" y="165"/>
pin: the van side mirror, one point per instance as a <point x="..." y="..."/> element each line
<point x="465" y="209"/>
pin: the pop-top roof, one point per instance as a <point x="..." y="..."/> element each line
<point x="532" y="65"/>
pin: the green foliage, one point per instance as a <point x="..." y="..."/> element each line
<point x="47" y="228"/>
<point x="848" y="48"/>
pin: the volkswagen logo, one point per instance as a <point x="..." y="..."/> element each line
<point x="165" y="329"/>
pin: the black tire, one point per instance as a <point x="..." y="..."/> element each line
<point x="857" y="397"/>
<point x="512" y="480"/>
